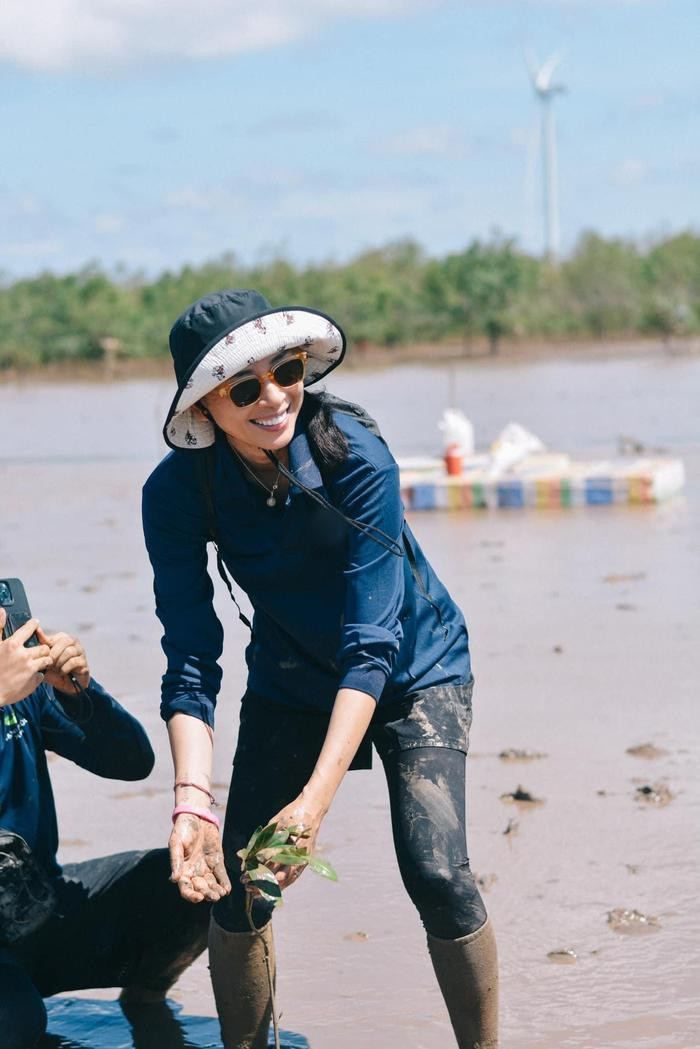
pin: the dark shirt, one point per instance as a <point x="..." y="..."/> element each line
<point x="111" y="743"/>
<point x="332" y="608"/>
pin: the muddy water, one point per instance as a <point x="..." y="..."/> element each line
<point x="584" y="630"/>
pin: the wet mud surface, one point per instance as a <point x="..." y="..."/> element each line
<point x="521" y="797"/>
<point x="608" y="695"/>
<point x="520" y="754"/>
<point x="621" y="919"/>
<point x="654" y="794"/>
<point x="563" y="957"/>
<point x="648" y="751"/>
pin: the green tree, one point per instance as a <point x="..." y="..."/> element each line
<point x="474" y="291"/>
<point x="603" y="283"/>
<point x="388" y="296"/>
<point x="671" y="286"/>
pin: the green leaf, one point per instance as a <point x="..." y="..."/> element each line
<point x="272" y="845"/>
<point x="274" y="900"/>
<point x="265" y="882"/>
<point x="262" y="873"/>
<point x="270" y="837"/>
<point x="281" y="837"/>
<point x="322" y="867"/>
<point x="252" y="840"/>
<point x="288" y="857"/>
<point x="261" y="837"/>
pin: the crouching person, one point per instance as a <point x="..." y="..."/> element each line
<point x="113" y="921"/>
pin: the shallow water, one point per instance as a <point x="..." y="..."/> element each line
<point x="584" y="627"/>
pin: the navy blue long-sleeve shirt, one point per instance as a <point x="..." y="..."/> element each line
<point x="111" y="744"/>
<point x="332" y="608"/>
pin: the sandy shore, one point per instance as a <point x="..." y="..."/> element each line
<point x="361" y="358"/>
<point x="584" y="631"/>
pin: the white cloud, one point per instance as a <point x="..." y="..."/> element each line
<point x="630" y="171"/>
<point x="370" y="202"/>
<point x="108" y="223"/>
<point x="649" y="101"/>
<point x="428" y="140"/>
<point x="69" y="34"/>
<point x="31" y="248"/>
<point x="293" y="198"/>
<point x="203" y="199"/>
<point x="28" y="205"/>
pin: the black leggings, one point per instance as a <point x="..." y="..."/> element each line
<point x="120" y="923"/>
<point x="427" y="797"/>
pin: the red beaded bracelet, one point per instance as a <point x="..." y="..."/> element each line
<point x="196" y="786"/>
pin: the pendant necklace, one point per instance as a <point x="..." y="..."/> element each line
<point x="271" y="500"/>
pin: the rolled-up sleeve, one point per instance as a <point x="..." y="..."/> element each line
<point x="109" y="742"/>
<point x="176" y="533"/>
<point x="374" y="576"/>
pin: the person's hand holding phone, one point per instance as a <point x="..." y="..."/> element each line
<point x="21" y="669"/>
<point x="68" y="660"/>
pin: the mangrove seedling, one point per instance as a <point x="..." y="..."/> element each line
<point x="268" y="846"/>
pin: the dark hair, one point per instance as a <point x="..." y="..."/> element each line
<point x="327" y="441"/>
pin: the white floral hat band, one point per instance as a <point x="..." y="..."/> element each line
<point x="247" y="343"/>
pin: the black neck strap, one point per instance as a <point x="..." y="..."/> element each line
<point x="371" y="531"/>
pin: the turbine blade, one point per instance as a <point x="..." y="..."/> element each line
<point x="544" y="75"/>
<point x="531" y="63"/>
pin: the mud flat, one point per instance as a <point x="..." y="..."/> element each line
<point x="584" y="629"/>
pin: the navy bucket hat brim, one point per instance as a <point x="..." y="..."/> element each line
<point x="222" y="333"/>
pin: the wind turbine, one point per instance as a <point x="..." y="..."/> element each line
<point x="541" y="76"/>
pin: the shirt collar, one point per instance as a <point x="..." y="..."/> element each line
<point x="229" y="469"/>
<point x="301" y="461"/>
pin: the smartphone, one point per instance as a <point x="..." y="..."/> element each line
<point x="13" y="599"/>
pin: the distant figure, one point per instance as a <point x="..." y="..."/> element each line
<point x="108" y="922"/>
<point x="355" y="641"/>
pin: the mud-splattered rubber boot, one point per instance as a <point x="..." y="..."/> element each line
<point x="240" y="983"/>
<point x="467" y="971"/>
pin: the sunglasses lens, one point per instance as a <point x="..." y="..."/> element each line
<point x="289" y="372"/>
<point x="285" y="374"/>
<point x="245" y="393"/>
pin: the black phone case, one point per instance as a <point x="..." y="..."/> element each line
<point x="17" y="610"/>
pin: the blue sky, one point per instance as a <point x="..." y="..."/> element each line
<point x="151" y="134"/>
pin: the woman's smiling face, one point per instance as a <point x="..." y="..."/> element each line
<point x="269" y="422"/>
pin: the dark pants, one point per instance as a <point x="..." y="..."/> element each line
<point x="422" y="745"/>
<point x="120" y="923"/>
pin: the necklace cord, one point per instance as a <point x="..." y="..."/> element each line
<point x="371" y="531"/>
<point x="271" y="500"/>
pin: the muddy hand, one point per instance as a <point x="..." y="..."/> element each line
<point x="305" y="814"/>
<point x="197" y="860"/>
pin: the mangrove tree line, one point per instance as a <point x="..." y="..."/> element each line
<point x="386" y="297"/>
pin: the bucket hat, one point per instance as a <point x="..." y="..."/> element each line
<point x="226" y="331"/>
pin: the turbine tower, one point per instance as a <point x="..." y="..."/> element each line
<point x="541" y="76"/>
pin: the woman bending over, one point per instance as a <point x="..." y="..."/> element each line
<point x="355" y="641"/>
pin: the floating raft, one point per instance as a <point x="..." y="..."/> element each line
<point x="540" y="481"/>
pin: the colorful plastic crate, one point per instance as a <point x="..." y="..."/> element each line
<point x="543" y="482"/>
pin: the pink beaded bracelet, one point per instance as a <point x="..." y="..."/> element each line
<point x="193" y="810"/>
